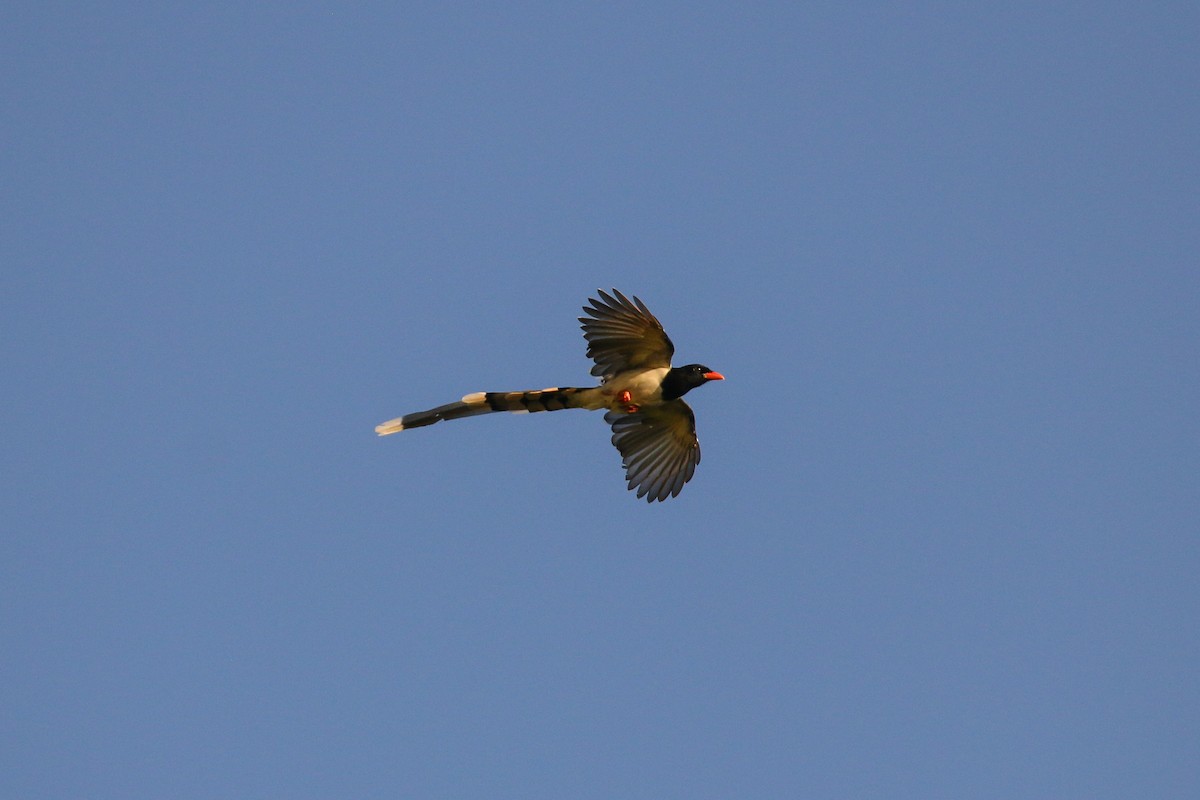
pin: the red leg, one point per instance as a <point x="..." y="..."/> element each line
<point x="627" y="400"/>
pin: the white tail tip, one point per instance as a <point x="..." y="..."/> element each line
<point x="391" y="426"/>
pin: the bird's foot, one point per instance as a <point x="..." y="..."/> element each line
<point x="627" y="400"/>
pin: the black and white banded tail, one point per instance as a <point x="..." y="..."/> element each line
<point x="553" y="399"/>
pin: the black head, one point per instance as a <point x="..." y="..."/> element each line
<point x="681" y="380"/>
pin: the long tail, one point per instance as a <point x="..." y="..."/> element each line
<point x="553" y="399"/>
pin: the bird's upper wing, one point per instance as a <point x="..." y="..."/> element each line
<point x="658" y="447"/>
<point x="623" y="334"/>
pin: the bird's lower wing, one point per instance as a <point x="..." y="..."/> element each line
<point x="658" y="447"/>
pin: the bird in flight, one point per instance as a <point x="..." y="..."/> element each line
<point x="653" y="428"/>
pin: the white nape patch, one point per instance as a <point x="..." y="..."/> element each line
<point x="474" y="398"/>
<point x="391" y="426"/>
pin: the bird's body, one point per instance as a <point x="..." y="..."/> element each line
<point x="653" y="428"/>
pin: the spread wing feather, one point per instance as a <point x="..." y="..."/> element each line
<point x="658" y="447"/>
<point x="622" y="334"/>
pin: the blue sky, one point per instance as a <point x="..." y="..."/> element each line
<point x="943" y="542"/>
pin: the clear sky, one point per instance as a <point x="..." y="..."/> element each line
<point x="945" y="538"/>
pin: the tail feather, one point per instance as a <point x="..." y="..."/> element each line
<point x="553" y="399"/>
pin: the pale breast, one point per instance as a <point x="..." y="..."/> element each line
<point x="643" y="385"/>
